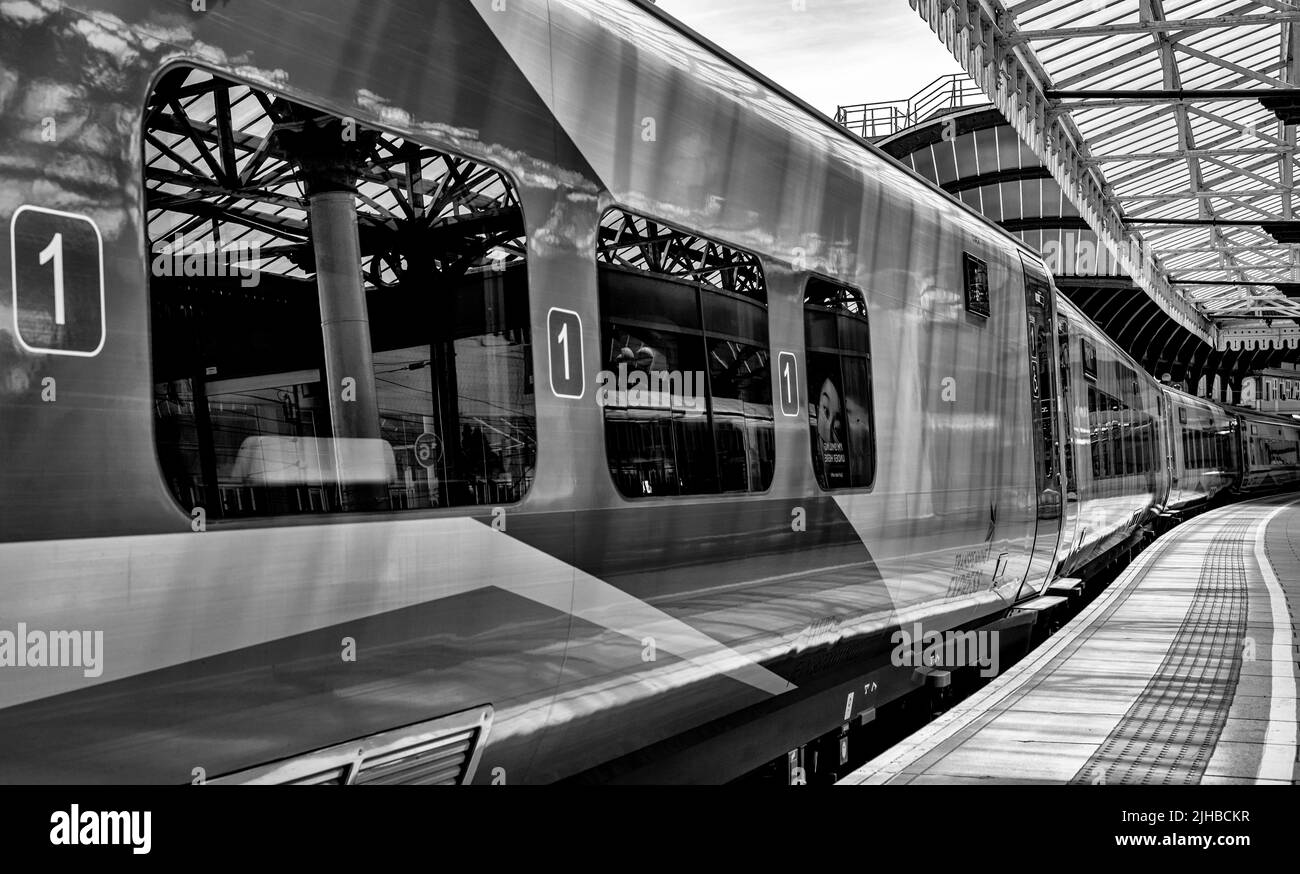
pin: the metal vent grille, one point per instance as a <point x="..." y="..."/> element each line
<point x="336" y="776"/>
<point x="440" y="752"/>
<point x="440" y="762"/>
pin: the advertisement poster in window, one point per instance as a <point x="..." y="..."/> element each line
<point x="826" y="419"/>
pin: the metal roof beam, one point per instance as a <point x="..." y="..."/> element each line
<point x="1156" y="26"/>
<point x="1093" y="98"/>
<point x="1235" y="125"/>
<point x="1192" y="222"/>
<point x="1245" y="247"/>
<point x="1227" y="283"/>
<point x="1266" y="262"/>
<point x="1223" y="63"/>
<point x="1196" y="195"/>
<point x="1178" y="156"/>
<point x="1247" y="170"/>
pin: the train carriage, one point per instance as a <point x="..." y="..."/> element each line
<point x="1202" y="446"/>
<point x="1116" y="466"/>
<point x="538" y="371"/>
<point x="469" y="392"/>
<point x="1268" y="450"/>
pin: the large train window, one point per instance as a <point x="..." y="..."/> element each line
<point x="1089" y="356"/>
<point x="1122" y="436"/>
<point x="686" y="386"/>
<point x="340" y="314"/>
<point x="1195" y="456"/>
<point x="838" y="343"/>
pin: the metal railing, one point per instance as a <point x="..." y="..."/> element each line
<point x="886" y="118"/>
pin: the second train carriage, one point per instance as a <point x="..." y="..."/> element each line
<point x="1266" y="451"/>
<point x="1203" y="454"/>
<point x="1115" y="466"/>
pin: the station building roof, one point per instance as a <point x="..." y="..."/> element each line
<point x="1164" y="122"/>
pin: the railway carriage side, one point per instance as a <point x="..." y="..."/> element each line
<point x="286" y="417"/>
<point x="1268" y="451"/>
<point x="898" y="322"/>
<point x="434" y="400"/>
<point x="1204" y="456"/>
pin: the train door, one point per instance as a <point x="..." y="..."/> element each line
<point x="1040" y="307"/>
<point x="1070" y="502"/>
<point x="1175" y="416"/>
<point x="1228" y="443"/>
<point x="1160" y="446"/>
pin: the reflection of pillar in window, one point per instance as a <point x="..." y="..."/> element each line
<point x="349" y="363"/>
<point x="330" y="157"/>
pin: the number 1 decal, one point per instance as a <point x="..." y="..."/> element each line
<point x="57" y="269"/>
<point x="564" y="330"/>
<point x="788" y="374"/>
<point x="563" y="338"/>
<point x="55" y="251"/>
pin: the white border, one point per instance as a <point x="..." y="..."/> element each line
<point x="550" y="362"/>
<point x="1277" y="752"/>
<point x="782" y="353"/>
<point x="13" y="278"/>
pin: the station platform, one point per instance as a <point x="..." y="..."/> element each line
<point x="1182" y="671"/>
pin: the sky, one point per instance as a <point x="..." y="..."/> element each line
<point x="829" y="52"/>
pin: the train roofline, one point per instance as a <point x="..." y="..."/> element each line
<point x="1188" y="396"/>
<point x="1280" y="418"/>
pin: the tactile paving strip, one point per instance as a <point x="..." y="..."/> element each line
<point x="1170" y="732"/>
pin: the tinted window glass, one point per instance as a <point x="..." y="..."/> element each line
<point x="837" y="337"/>
<point x="686" y="382"/>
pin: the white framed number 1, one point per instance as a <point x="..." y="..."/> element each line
<point x="564" y="341"/>
<point x="57" y="270"/>
<point x="787" y="372"/>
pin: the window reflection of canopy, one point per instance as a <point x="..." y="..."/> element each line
<point x="227" y="164"/>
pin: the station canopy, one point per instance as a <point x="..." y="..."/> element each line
<point x="1166" y="123"/>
